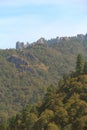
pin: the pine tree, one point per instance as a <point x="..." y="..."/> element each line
<point x="85" y="68"/>
<point x="79" y="64"/>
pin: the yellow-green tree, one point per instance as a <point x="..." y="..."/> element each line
<point x="52" y="126"/>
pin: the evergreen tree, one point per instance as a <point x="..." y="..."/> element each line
<point x="79" y="64"/>
<point x="85" y="68"/>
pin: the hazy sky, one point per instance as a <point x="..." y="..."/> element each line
<point x="28" y="20"/>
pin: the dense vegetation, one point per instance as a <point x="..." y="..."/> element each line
<point x="63" y="107"/>
<point x="25" y="74"/>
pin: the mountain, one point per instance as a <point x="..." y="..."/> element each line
<point x="26" y="72"/>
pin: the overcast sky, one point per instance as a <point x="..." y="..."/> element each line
<point x="28" y="20"/>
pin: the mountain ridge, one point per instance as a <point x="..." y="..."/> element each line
<point x="42" y="40"/>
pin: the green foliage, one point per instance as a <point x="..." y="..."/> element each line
<point x="81" y="123"/>
<point x="45" y="117"/>
<point x="85" y="68"/>
<point x="52" y="126"/>
<point x="64" y="108"/>
<point x="79" y="64"/>
<point x="25" y="75"/>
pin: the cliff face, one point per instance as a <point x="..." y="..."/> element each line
<point x="19" y="45"/>
<point x="41" y="41"/>
<point x="17" y="61"/>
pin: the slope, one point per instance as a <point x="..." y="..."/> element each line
<point x="25" y="74"/>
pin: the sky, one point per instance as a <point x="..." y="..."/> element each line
<point x="29" y="20"/>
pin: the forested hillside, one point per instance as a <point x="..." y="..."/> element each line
<point x="26" y="73"/>
<point x="63" y="107"/>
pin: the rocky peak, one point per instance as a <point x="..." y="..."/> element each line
<point x="41" y="41"/>
<point x="19" y="45"/>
